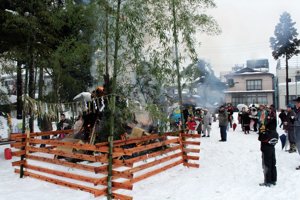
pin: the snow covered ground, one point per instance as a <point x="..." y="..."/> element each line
<point x="228" y="170"/>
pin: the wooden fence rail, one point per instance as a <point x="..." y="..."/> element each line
<point x="153" y="146"/>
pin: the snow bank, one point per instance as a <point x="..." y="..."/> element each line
<point x="228" y="171"/>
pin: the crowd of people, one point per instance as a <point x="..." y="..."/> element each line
<point x="197" y="121"/>
<point x="261" y="120"/>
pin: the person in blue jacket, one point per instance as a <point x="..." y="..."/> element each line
<point x="262" y="117"/>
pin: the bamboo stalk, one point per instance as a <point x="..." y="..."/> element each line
<point x="112" y="115"/>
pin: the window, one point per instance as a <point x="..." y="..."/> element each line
<point x="254" y="85"/>
<point x="230" y="82"/>
<point x="262" y="99"/>
<point x="297" y="78"/>
<point x="249" y="99"/>
<point x="238" y="99"/>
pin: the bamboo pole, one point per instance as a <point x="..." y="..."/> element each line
<point x="113" y="104"/>
<point x="178" y="72"/>
<point x="26" y="79"/>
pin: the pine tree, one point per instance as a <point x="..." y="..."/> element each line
<point x="285" y="43"/>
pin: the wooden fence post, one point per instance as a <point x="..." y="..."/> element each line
<point x="26" y="152"/>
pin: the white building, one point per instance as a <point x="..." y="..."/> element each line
<point x="294" y="85"/>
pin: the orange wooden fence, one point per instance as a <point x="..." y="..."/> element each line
<point x="175" y="145"/>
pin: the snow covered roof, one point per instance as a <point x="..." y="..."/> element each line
<point x="246" y="72"/>
<point x="249" y="91"/>
<point x="290" y="83"/>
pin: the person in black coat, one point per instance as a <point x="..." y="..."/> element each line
<point x="64" y="124"/>
<point x="272" y="118"/>
<point x="282" y="117"/>
<point x="246" y="121"/>
<point x="185" y="114"/>
<point x="241" y="117"/>
<point x="268" y="141"/>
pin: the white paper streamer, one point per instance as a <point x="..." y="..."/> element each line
<point x="46" y="110"/>
<point x="86" y="105"/>
<point x="62" y="107"/>
<point x="103" y="105"/>
<point x="127" y="103"/>
<point x="36" y="108"/>
<point x="95" y="105"/>
<point x="141" y="108"/>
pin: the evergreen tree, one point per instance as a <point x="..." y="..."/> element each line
<point x="285" y="43"/>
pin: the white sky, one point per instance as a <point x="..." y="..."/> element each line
<point x="247" y="26"/>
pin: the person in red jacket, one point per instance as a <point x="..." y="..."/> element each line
<point x="192" y="125"/>
<point x="229" y="109"/>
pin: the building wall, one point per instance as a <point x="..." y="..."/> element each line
<point x="228" y="98"/>
<point x="240" y="82"/>
<point x="240" y="86"/>
<point x="294" y="91"/>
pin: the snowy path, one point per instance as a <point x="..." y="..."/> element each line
<point x="228" y="171"/>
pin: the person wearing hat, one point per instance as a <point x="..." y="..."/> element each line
<point x="297" y="125"/>
<point x="289" y="127"/>
<point x="223" y="123"/>
<point x="206" y="123"/>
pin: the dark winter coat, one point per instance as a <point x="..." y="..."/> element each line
<point x="297" y="126"/>
<point x="282" y="116"/>
<point x="268" y="140"/>
<point x="185" y="114"/>
<point x="272" y="121"/>
<point x="60" y="125"/>
<point x="229" y="111"/>
<point x="289" y="120"/>
<point x="246" y="118"/>
<point x="223" y="115"/>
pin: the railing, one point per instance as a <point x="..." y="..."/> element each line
<point x="173" y="151"/>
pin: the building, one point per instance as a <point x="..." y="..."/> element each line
<point x="249" y="86"/>
<point x="294" y="85"/>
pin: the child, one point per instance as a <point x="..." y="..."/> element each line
<point x="268" y="141"/>
<point x="192" y="125"/>
<point x="246" y="122"/>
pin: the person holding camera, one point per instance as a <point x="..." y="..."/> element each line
<point x="289" y="127"/>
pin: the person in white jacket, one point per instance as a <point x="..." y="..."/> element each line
<point x="206" y="123"/>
